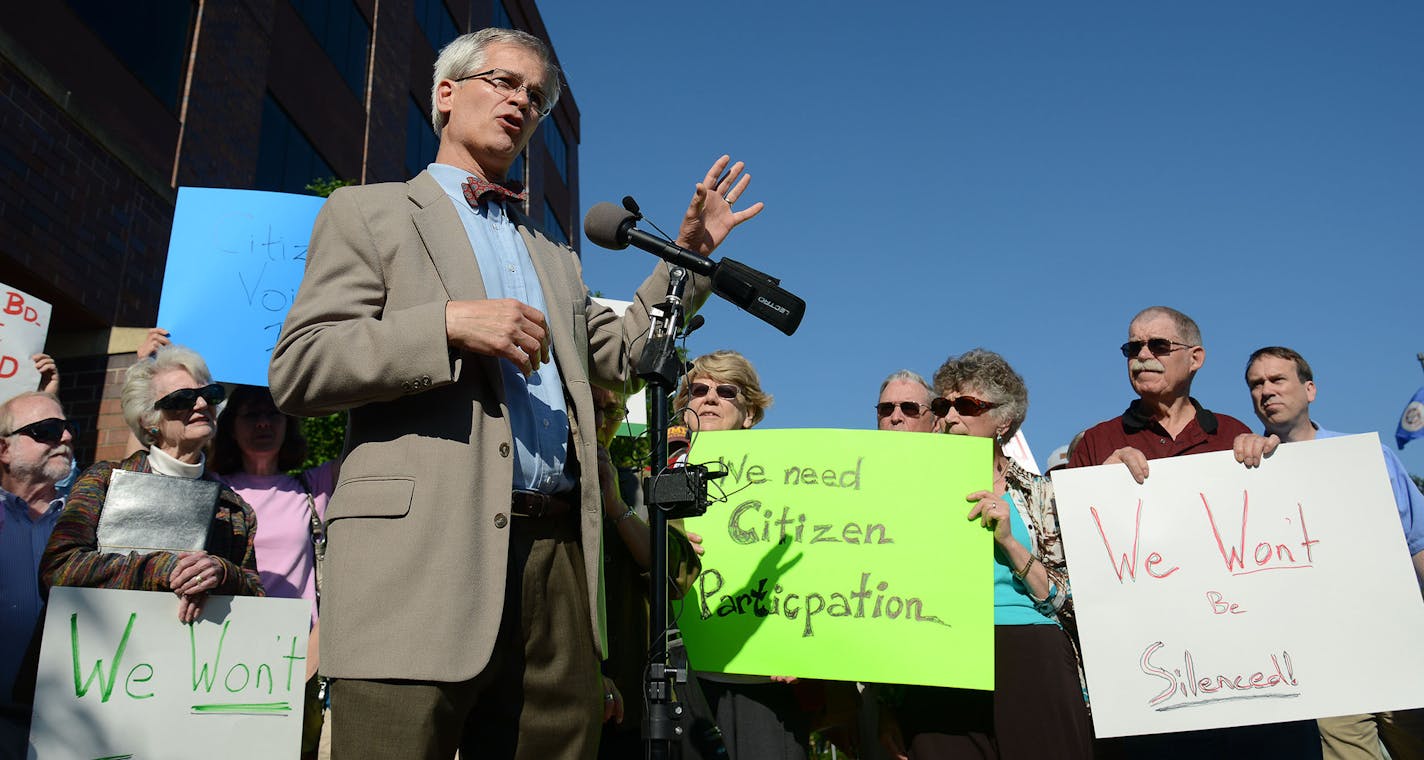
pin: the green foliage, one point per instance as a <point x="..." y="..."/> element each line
<point x="325" y="186"/>
<point x="630" y="451"/>
<point x="1418" y="481"/>
<point x="325" y="437"/>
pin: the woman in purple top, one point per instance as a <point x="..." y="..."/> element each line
<point x="255" y="448"/>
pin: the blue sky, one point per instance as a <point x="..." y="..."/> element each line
<point x="1025" y="177"/>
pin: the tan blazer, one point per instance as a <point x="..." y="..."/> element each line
<point x="418" y="526"/>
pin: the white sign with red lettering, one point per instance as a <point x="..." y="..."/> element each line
<point x="1215" y="595"/>
<point x="24" y="323"/>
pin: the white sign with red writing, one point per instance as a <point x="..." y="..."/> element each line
<point x="1214" y="595"/>
<point x="24" y="323"/>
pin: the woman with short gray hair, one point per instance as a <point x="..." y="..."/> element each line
<point x="170" y="402"/>
<point x="1037" y="708"/>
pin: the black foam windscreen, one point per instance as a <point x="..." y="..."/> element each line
<point x="606" y="225"/>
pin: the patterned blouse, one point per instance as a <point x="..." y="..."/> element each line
<point x="1033" y="497"/>
<point x="72" y="557"/>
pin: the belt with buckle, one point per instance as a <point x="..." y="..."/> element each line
<point x="536" y="504"/>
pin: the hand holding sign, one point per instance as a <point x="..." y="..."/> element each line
<point x="1200" y="594"/>
<point x="24" y="324"/>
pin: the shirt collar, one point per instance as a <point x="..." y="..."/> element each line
<point x="20" y="506"/>
<point x="1134" y="421"/>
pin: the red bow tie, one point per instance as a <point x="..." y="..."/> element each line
<point x="476" y="190"/>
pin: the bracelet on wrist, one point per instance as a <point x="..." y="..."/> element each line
<point x="1021" y="574"/>
<point x="626" y="515"/>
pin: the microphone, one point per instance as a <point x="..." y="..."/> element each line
<point x="609" y="226"/>
<point x="756" y="293"/>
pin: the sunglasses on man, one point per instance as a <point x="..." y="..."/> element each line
<point x="908" y="408"/>
<point x="725" y="390"/>
<point x="184" y="399"/>
<point x="966" y="406"/>
<point x="49" y="430"/>
<point x="1158" y="347"/>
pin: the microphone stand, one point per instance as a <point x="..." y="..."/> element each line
<point x="660" y="366"/>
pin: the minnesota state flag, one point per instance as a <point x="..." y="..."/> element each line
<point x="1411" y="423"/>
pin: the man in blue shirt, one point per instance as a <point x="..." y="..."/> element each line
<point x="1282" y="388"/>
<point x="462" y="598"/>
<point x="36" y="452"/>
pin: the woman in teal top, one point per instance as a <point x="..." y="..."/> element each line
<point x="1037" y="708"/>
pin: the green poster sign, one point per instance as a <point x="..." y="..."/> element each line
<point x="844" y="555"/>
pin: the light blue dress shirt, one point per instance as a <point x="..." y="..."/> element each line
<point x="538" y="415"/>
<point x="1407" y="498"/>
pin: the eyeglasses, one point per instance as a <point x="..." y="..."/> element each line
<point x="49" y="430"/>
<point x="184" y="399"/>
<point x="908" y="408"/>
<point x="1158" y="347"/>
<point x="725" y="390"/>
<point x="612" y="411"/>
<point x="966" y="406"/>
<point x="507" y="83"/>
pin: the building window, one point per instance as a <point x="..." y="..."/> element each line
<point x="501" y="18"/>
<point x="150" y="38"/>
<point x="552" y="226"/>
<point x="286" y="160"/>
<point x="558" y="149"/>
<point x="420" y="141"/>
<point x="343" y="33"/>
<point x="435" y="20"/>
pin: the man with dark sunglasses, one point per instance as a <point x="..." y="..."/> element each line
<point x="36" y="451"/>
<point x="1164" y="352"/>
<point x="904" y="404"/>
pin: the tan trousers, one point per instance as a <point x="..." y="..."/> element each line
<point x="1359" y="737"/>
<point x="1350" y="737"/>
<point x="540" y="697"/>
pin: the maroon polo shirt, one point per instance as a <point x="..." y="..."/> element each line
<point x="1208" y="432"/>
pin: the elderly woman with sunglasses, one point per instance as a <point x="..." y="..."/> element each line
<point x="760" y="717"/>
<point x="170" y="402"/>
<point x="1037" y="708"/>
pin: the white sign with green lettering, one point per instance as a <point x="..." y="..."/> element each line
<point x="121" y="677"/>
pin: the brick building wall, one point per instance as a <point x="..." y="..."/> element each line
<point x="90" y="159"/>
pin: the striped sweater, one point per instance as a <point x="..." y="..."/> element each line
<point x="72" y="557"/>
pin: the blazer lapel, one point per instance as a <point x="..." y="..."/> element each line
<point x="445" y="240"/>
<point x="448" y="246"/>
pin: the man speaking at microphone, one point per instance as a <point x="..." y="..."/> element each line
<point x="461" y="598"/>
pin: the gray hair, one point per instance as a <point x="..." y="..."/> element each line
<point x="465" y="55"/>
<point x="907" y="376"/>
<point x="7" y="412"/>
<point x="137" y="396"/>
<point x="1187" y="328"/>
<point x="990" y="374"/>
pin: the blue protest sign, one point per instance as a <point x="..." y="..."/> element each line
<point x="235" y="260"/>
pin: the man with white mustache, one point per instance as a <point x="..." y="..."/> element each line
<point x="36" y="452"/>
<point x="1164" y="351"/>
